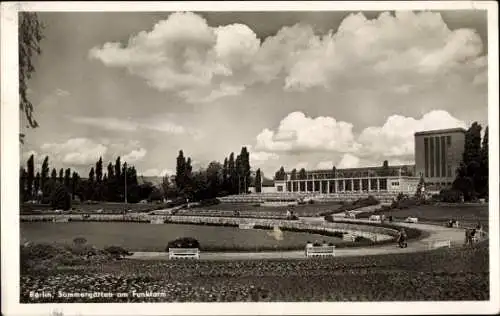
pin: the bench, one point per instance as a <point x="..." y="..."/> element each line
<point x="319" y="251"/>
<point x="183" y="253"/>
<point x="411" y="220"/>
<point x="246" y="225"/>
<point x="376" y="218"/>
<point x="439" y="244"/>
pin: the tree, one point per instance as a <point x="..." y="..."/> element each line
<point x="30" y="35"/>
<point x="91" y="175"/>
<point x="239" y="171"/>
<point x="74" y="184"/>
<point x="469" y="180"/>
<point x="189" y="185"/>
<point x="36" y="185"/>
<point x="293" y="176"/>
<point x="180" y="171"/>
<point x="98" y="170"/>
<point x="22" y="184"/>
<point x="484" y="167"/>
<point x="60" y="198"/>
<point x="45" y="172"/>
<point x="280" y="174"/>
<point x="302" y="176"/>
<point x="30" y="178"/>
<point x="214" y="178"/>
<point x="258" y="181"/>
<point x="67" y="179"/>
<point x="53" y="175"/>
<point x="233" y="176"/>
<point x="61" y="176"/>
<point x="420" y="186"/>
<point x="225" y="175"/>
<point x="245" y="168"/>
<point x="385" y="169"/>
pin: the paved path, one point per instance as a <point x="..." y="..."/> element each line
<point x="436" y="233"/>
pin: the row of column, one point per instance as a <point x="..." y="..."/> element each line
<point x="338" y="185"/>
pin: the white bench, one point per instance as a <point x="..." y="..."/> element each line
<point x="410" y="219"/>
<point x="376" y="218"/>
<point x="182" y="253"/>
<point x="157" y="221"/>
<point x="434" y="244"/>
<point x="246" y="225"/>
<point x="319" y="251"/>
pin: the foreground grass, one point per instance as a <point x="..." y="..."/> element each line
<point x="446" y="274"/>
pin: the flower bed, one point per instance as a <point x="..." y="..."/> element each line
<point x="445" y="274"/>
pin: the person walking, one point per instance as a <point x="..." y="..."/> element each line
<point x="402" y="237"/>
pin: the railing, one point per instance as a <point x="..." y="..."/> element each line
<point x="319" y="251"/>
<point x="183" y="253"/>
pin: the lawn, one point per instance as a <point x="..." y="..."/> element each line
<point x="445" y="274"/>
<point x="106" y="207"/>
<point x="299" y="210"/>
<point x="469" y="215"/>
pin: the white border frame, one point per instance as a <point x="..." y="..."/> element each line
<point x="10" y="158"/>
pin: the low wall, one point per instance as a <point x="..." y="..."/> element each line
<point x="373" y="233"/>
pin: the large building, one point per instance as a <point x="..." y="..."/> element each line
<point x="368" y="179"/>
<point x="438" y="154"/>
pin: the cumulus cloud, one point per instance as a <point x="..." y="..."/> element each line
<point x="349" y="161"/>
<point x="323" y="137"/>
<point x="81" y="153"/>
<point x="299" y="133"/>
<point x="183" y="53"/>
<point x="75" y="151"/>
<point x="203" y="63"/>
<point x="325" y="165"/>
<point x="396" y="137"/>
<point x="135" y="155"/>
<point x="157" y="172"/>
<point x="260" y="157"/>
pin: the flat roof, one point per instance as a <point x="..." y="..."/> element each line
<point x="441" y="131"/>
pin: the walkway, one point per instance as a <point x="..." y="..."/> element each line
<point x="435" y="233"/>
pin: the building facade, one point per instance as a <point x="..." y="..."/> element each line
<point x="369" y="179"/>
<point x="438" y="154"/>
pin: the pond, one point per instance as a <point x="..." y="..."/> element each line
<point x="149" y="237"/>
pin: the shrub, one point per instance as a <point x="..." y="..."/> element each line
<point x="311" y="202"/>
<point x="117" y="252"/>
<point x="209" y="202"/>
<point x="450" y="196"/>
<point x="184" y="242"/>
<point x="60" y="198"/>
<point x="78" y="241"/>
<point x="38" y="251"/>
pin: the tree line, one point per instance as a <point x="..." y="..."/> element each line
<point x="100" y="185"/>
<point x="233" y="176"/>
<point x="472" y="175"/>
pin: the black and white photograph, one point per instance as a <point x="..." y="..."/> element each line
<point x="260" y="153"/>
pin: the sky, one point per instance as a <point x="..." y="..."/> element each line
<point x="299" y="89"/>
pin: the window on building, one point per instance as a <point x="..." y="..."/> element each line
<point x="426" y="154"/>
<point x="432" y="156"/>
<point x="280" y="188"/>
<point x="448" y="141"/>
<point x="438" y="157"/>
